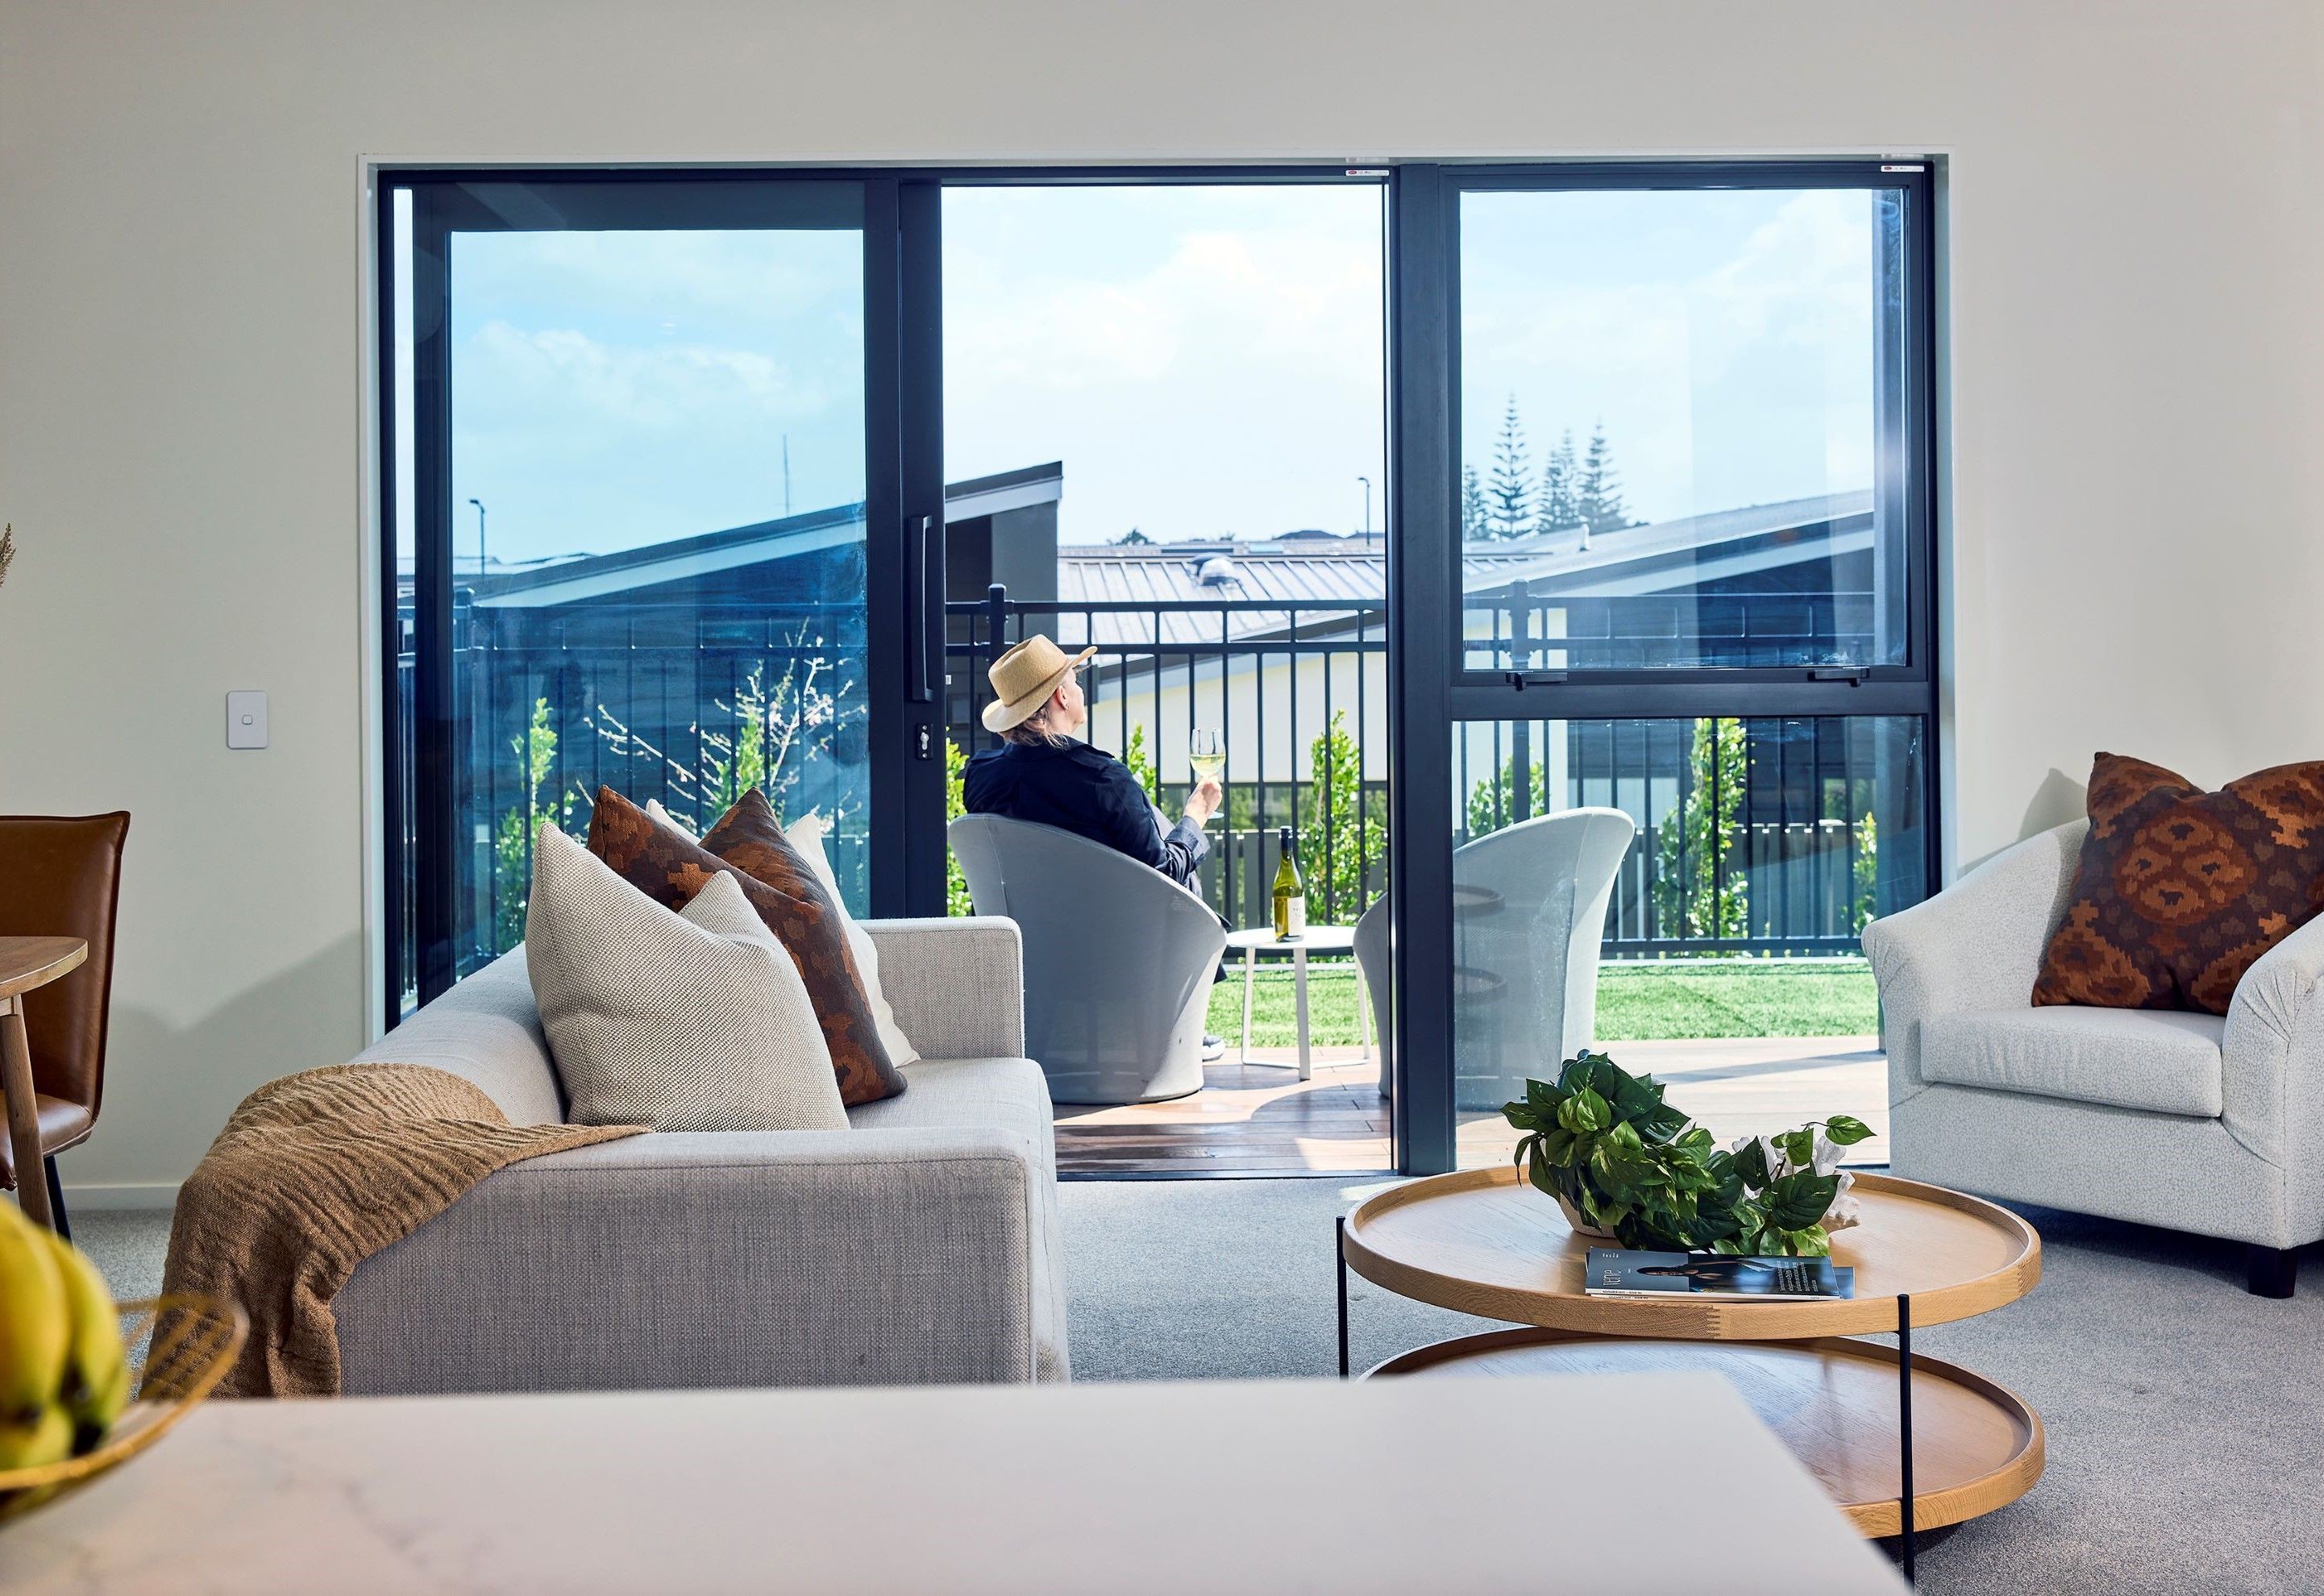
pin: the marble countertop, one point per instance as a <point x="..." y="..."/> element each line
<point x="1486" y="1485"/>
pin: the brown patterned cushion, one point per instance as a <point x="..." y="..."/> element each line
<point x="666" y="866"/>
<point x="2179" y="890"/>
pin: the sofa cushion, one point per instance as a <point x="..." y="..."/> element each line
<point x="486" y="1030"/>
<point x="693" y="1020"/>
<point x="805" y="833"/>
<point x="2156" y="1061"/>
<point x="1005" y="1093"/>
<point x="2179" y="891"/>
<point x="746" y="845"/>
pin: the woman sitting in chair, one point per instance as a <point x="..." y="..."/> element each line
<point x="1040" y="773"/>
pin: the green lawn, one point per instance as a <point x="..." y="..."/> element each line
<point x="1649" y="1000"/>
<point x="1640" y="1000"/>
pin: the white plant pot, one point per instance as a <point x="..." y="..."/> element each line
<point x="1581" y="1227"/>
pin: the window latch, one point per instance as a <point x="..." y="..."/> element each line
<point x="1853" y="675"/>
<point x="1522" y="679"/>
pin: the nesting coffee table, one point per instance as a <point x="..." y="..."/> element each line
<point x="1876" y="1425"/>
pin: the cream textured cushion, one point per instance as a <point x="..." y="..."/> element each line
<point x="2161" y="1061"/>
<point x="696" y="1021"/>
<point x="806" y="834"/>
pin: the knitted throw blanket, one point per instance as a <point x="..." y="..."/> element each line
<point x="315" y="1173"/>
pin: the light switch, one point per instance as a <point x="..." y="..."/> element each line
<point x="245" y="720"/>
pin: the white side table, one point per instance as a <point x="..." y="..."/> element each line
<point x="1320" y="939"/>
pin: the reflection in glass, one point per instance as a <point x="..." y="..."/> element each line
<point x="1732" y="867"/>
<point x="1680" y="425"/>
<point x="658" y="542"/>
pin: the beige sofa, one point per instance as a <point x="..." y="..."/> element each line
<point x="920" y="1245"/>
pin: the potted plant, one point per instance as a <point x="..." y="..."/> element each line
<point x="1623" y="1163"/>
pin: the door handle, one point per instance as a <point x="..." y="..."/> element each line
<point x="927" y="614"/>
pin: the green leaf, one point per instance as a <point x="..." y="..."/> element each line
<point x="1846" y="1130"/>
<point x="1751" y="1164"/>
<point x="1585" y="1111"/>
<point x="1800" y="1200"/>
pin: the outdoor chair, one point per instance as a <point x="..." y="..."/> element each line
<point x="1118" y="959"/>
<point x="2197" y="1123"/>
<point x="1528" y="914"/>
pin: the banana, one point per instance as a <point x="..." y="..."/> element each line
<point x="96" y="1384"/>
<point x="34" y="1322"/>
<point x="45" y="1438"/>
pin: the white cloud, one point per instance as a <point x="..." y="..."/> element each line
<point x="1725" y="339"/>
<point x="1203" y="362"/>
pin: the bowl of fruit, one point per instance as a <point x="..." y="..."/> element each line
<point x="66" y="1407"/>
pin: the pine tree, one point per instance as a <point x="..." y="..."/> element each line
<point x="1510" y="486"/>
<point x="1558" y="507"/>
<point x="1599" y="491"/>
<point x="1473" y="528"/>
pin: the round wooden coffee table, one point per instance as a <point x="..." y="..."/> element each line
<point x="1482" y="1243"/>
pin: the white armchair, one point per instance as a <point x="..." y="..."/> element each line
<point x="2188" y="1121"/>
<point x="1528" y="919"/>
<point x="1118" y="959"/>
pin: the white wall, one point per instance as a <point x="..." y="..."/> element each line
<point x="2135" y="261"/>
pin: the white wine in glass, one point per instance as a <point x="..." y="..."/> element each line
<point x="1206" y="751"/>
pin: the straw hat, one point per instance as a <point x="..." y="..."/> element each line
<point x="1024" y="678"/>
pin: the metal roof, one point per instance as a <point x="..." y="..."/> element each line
<point x="1331" y="582"/>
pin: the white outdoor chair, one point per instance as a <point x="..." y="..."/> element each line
<point x="1118" y="959"/>
<point x="1530" y="912"/>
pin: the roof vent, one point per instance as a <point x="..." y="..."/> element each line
<point x="1217" y="571"/>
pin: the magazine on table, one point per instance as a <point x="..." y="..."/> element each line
<point x="1621" y="1272"/>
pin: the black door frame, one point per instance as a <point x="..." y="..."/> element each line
<point x="1428" y="693"/>
<point x="444" y="201"/>
<point x="1436" y="691"/>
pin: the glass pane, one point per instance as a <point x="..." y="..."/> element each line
<point x="404" y="810"/>
<point x="1726" y="911"/>
<point x="657" y="481"/>
<point x="1164" y="415"/>
<point x="1680" y="429"/>
<point x="1165" y="424"/>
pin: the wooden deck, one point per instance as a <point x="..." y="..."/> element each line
<point x="1253" y="1119"/>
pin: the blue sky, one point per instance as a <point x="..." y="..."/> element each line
<point x="1723" y="337"/>
<point x="1206" y="360"/>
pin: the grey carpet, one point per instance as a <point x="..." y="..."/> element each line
<point x="2185" y="1418"/>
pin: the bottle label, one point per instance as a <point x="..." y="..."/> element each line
<point x="1294" y="918"/>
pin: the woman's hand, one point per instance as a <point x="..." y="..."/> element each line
<point x="1204" y="802"/>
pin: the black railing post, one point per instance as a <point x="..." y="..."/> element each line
<point x="996" y="621"/>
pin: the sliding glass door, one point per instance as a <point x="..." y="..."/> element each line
<point x="647" y="491"/>
<point x="665" y="508"/>
<point x="1666" y="623"/>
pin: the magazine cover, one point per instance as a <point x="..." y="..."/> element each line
<point x="1620" y="1272"/>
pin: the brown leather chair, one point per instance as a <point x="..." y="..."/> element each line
<point x="61" y="877"/>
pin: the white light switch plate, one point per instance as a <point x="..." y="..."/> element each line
<point x="245" y="720"/>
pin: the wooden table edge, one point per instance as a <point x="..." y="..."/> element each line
<point x="65" y="961"/>
<point x="1687" y="1319"/>
<point x="1931" y="1509"/>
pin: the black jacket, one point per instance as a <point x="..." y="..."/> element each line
<point x="1088" y="792"/>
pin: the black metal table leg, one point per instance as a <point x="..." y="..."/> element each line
<point x="1340" y="1257"/>
<point x="1904" y="1425"/>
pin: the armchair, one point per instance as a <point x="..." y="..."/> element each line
<point x="1118" y="959"/>
<point x="2188" y="1121"/>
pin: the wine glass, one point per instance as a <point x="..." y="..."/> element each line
<point x="1206" y="751"/>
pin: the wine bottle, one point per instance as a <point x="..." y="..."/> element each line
<point x="1290" y="894"/>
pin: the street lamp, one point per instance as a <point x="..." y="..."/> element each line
<point x="1367" y="504"/>
<point x="479" y="504"/>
